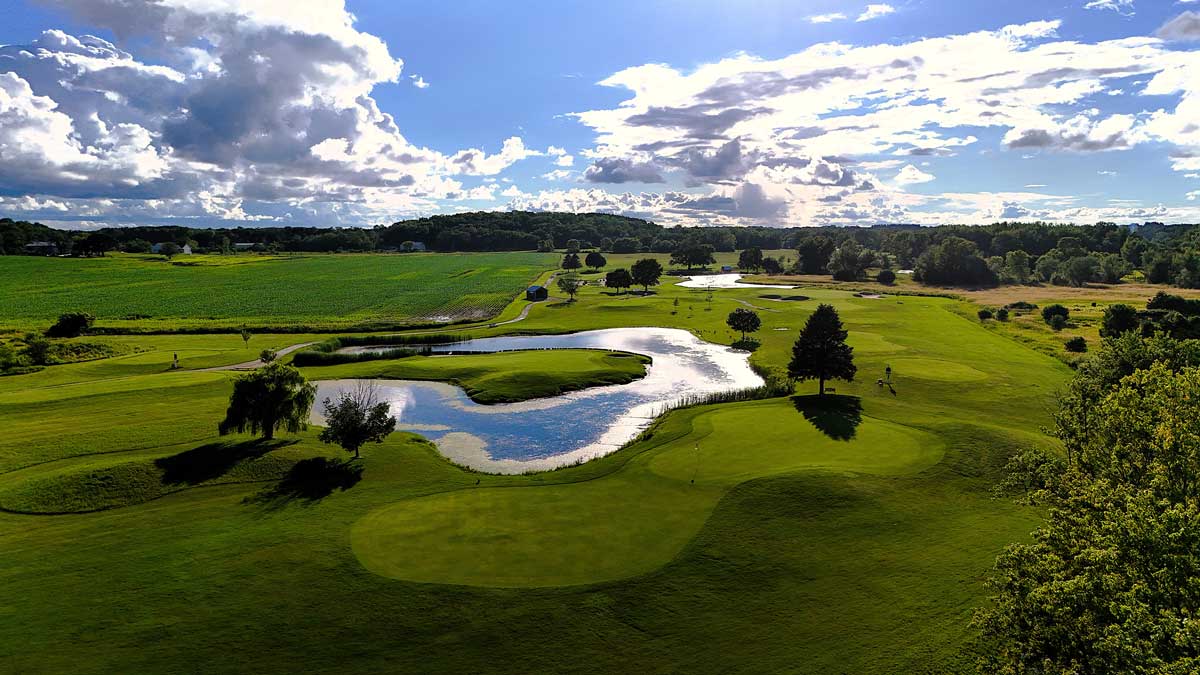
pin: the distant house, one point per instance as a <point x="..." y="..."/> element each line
<point x="41" y="248"/>
<point x="186" y="250"/>
<point x="418" y="246"/>
<point x="243" y="246"/>
<point x="536" y="293"/>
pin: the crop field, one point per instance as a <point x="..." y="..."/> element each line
<point x="148" y="292"/>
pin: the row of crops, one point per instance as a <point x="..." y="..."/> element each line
<point x="307" y="289"/>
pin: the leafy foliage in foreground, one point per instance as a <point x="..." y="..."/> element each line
<point x="1111" y="583"/>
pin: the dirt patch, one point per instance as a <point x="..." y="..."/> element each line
<point x="1133" y="293"/>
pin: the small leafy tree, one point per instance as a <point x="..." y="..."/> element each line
<point x="169" y="250"/>
<point x="750" y="259"/>
<point x="849" y="261"/>
<point x="646" y="273"/>
<point x="1058" y="322"/>
<point x="37" y="349"/>
<point x="1002" y="314"/>
<point x="984" y="314"/>
<point x="820" y="352"/>
<point x="886" y="277"/>
<point x="71" y="324"/>
<point x="570" y="261"/>
<point x="1051" y="311"/>
<point x="693" y="254"/>
<point x="1077" y="344"/>
<point x="357" y="417"/>
<point x="1016" y="266"/>
<point x="245" y="335"/>
<point x="595" y="261"/>
<point x="270" y="398"/>
<point x="267" y="355"/>
<point x="619" y="279"/>
<point x="772" y="266"/>
<point x="744" y="320"/>
<point x="1118" y="319"/>
<point x="569" y="284"/>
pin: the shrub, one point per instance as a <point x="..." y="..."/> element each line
<point x="1002" y="314"/>
<point x="1077" y="344"/>
<point x="1021" y="305"/>
<point x="984" y="314"/>
<point x="1058" y="322"/>
<point x="71" y="324"/>
<point x="1051" y="311"/>
<point x="1119" y="319"/>
<point x="886" y="277"/>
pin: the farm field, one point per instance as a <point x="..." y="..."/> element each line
<point x="779" y="535"/>
<point x="331" y="291"/>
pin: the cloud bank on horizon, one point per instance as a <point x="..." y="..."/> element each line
<point x="224" y="112"/>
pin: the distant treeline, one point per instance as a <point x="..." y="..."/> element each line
<point x="982" y="255"/>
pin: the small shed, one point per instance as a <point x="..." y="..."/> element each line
<point x="536" y="293"/>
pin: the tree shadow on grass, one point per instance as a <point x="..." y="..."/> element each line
<point x="749" y="345"/>
<point x="213" y="460"/>
<point x="835" y="416"/>
<point x="310" y="481"/>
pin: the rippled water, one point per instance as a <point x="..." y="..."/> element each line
<point x="550" y="432"/>
<point x="722" y="281"/>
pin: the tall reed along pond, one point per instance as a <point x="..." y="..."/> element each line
<point x="551" y="432"/>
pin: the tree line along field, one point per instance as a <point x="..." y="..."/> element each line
<point x="150" y="293"/>
<point x="753" y="537"/>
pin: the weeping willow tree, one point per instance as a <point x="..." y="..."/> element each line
<point x="273" y="397"/>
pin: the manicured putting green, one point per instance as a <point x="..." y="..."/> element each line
<point x="628" y="523"/>
<point x="934" y="369"/>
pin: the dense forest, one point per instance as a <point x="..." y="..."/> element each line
<point x="947" y="255"/>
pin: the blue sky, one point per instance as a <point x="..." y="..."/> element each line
<point x="763" y="112"/>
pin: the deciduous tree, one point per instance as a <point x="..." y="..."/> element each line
<point x="646" y="273"/>
<point x="270" y="398"/>
<point x="357" y="417"/>
<point x="744" y="320"/>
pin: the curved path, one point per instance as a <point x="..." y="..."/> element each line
<point x="257" y="363"/>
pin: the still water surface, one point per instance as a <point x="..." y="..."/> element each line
<point x="551" y="432"/>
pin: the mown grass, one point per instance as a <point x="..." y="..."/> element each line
<point x="800" y="547"/>
<point x="503" y="377"/>
<point x="149" y="293"/>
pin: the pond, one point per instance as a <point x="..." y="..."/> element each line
<point x="722" y="281"/>
<point x="552" y="432"/>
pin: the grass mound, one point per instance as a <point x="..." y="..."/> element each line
<point x="549" y="535"/>
<point x="111" y="481"/>
<point x="504" y="377"/>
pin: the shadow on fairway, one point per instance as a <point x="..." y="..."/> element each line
<point x="195" y="466"/>
<point x="835" y="416"/>
<point x="310" y="481"/>
<point x="749" y="345"/>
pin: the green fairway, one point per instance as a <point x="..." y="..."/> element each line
<point x="148" y="292"/>
<point x="783" y="535"/>
<point x="548" y="536"/>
